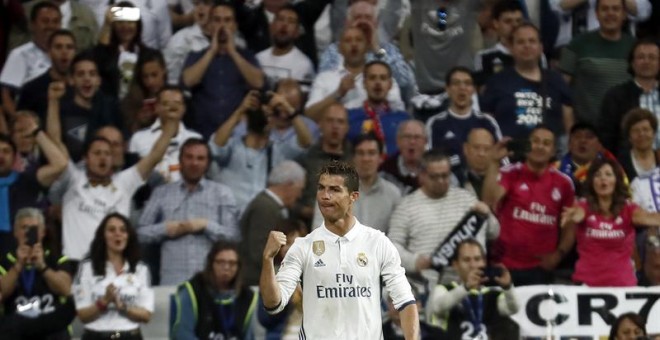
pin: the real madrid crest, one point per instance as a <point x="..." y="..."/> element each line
<point x="362" y="259"/>
<point x="318" y="247"/>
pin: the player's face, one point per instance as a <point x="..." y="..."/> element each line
<point x="225" y="267"/>
<point x="99" y="159"/>
<point x="505" y="24"/>
<point x="153" y="77"/>
<point x="411" y="142"/>
<point x="435" y="178"/>
<point x="333" y="197"/>
<point x="604" y="181"/>
<point x="61" y="52"/>
<point x="170" y="105"/>
<point x="85" y="79"/>
<point x="628" y="331"/>
<point x="460" y="90"/>
<point x="377" y="82"/>
<point x="641" y="135"/>
<point x="477" y="150"/>
<point x="116" y="235"/>
<point x="611" y="15"/>
<point x="526" y="45"/>
<point x="646" y="61"/>
<point x="6" y="158"/>
<point x="367" y="159"/>
<point x="542" y="146"/>
<point x="469" y="259"/>
<point x="584" y="146"/>
<point x="194" y="163"/>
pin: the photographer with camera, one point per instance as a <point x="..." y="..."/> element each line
<point x="35" y="283"/>
<point x="479" y="305"/>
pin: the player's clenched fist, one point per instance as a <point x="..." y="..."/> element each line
<point x="276" y="239"/>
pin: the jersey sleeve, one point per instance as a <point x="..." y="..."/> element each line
<point x="394" y="276"/>
<point x="290" y="273"/>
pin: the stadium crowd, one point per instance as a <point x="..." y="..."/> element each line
<point x="153" y="142"/>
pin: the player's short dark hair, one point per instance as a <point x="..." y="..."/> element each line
<point x="91" y="141"/>
<point x="345" y="170"/>
<point x="61" y="33"/>
<point x="367" y="137"/>
<point x="368" y="65"/>
<point x="468" y="241"/>
<point x="454" y="70"/>
<point x="7" y="140"/>
<point x="34" y="12"/>
<point x="432" y="156"/>
<point x="504" y="6"/>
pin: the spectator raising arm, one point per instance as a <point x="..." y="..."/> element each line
<point x="57" y="160"/>
<point x="56" y="90"/>
<point x="147" y="163"/>
<point x="250" y="102"/>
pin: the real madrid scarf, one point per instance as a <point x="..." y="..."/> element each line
<point x="5" y="183"/>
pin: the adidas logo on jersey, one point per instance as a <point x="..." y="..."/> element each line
<point x="319" y="263"/>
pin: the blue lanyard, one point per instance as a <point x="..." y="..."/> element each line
<point x="475" y="313"/>
<point x="27" y="279"/>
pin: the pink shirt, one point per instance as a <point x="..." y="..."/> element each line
<point x="529" y="213"/>
<point x="605" y="246"/>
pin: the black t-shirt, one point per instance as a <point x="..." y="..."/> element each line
<point x="25" y="192"/>
<point x="34" y="95"/>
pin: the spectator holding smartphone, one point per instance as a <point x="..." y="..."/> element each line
<point x="473" y="308"/>
<point x="35" y="284"/>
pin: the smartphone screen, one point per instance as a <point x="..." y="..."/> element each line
<point x="125" y="13"/>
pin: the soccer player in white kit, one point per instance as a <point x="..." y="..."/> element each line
<point x="341" y="266"/>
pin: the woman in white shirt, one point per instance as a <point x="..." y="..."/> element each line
<point x="113" y="289"/>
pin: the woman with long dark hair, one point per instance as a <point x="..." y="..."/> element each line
<point x="113" y="289"/>
<point x="150" y="77"/>
<point x="604" y="223"/>
<point x="214" y="301"/>
<point x="628" y="326"/>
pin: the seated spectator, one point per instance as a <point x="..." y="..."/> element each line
<point x="93" y="192"/>
<point x="34" y="273"/>
<point x="528" y="199"/>
<point x="628" y="326"/>
<point x="29" y="60"/>
<point x="378" y="197"/>
<point x="139" y="106"/>
<point x="454" y="306"/>
<point x="283" y="59"/>
<point x="81" y="109"/>
<point x="215" y="302"/>
<point x="345" y="84"/>
<point x="24" y="189"/>
<point x="289" y="321"/>
<point x="118" y="50"/>
<point x="525" y="96"/>
<point x="34" y="94"/>
<point x="375" y="115"/>
<point x="641" y="91"/>
<point x="170" y="105"/>
<point x="362" y="14"/>
<point x="285" y="185"/>
<point x="193" y="38"/>
<point x="220" y="75"/>
<point x="28" y="155"/>
<point x="641" y="126"/>
<point x="423" y="219"/>
<point x="603" y="223"/>
<point x="188" y="216"/>
<point x="448" y="130"/>
<point x="112" y="289"/>
<point x="402" y="168"/>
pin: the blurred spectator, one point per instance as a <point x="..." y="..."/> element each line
<point x="139" y="106"/>
<point x="215" y="302"/>
<point x="154" y="17"/>
<point x="247" y="161"/>
<point x="476" y="150"/>
<point x="390" y="14"/>
<point x="20" y="190"/>
<point x="628" y="326"/>
<point x="254" y="21"/>
<point x="11" y="13"/>
<point x="193" y="38"/>
<point x="188" y="216"/>
<point x="81" y="109"/>
<point x="220" y="75"/>
<point x="285" y="184"/>
<point x="528" y="198"/>
<point x="170" y="104"/>
<point x="595" y="61"/>
<point x="454" y="305"/>
<point x="112" y="289"/>
<point x="76" y="18"/>
<point x="605" y="231"/>
<point x="93" y="192"/>
<point x="402" y="168"/>
<point x="442" y="32"/>
<point x="362" y="14"/>
<point x="118" y="50"/>
<point x="33" y="272"/>
<point x="506" y="15"/>
<point x="28" y="156"/>
<point x="525" y="96"/>
<point x="29" y="60"/>
<point x="331" y="146"/>
<point x="641" y="126"/>
<point x="182" y="13"/>
<point x="345" y="84"/>
<point x="375" y="115"/>
<point x="34" y="94"/>
<point x="283" y="59"/>
<point x="448" y="130"/>
<point x="424" y="218"/>
<point x="641" y="91"/>
<point x="651" y="264"/>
